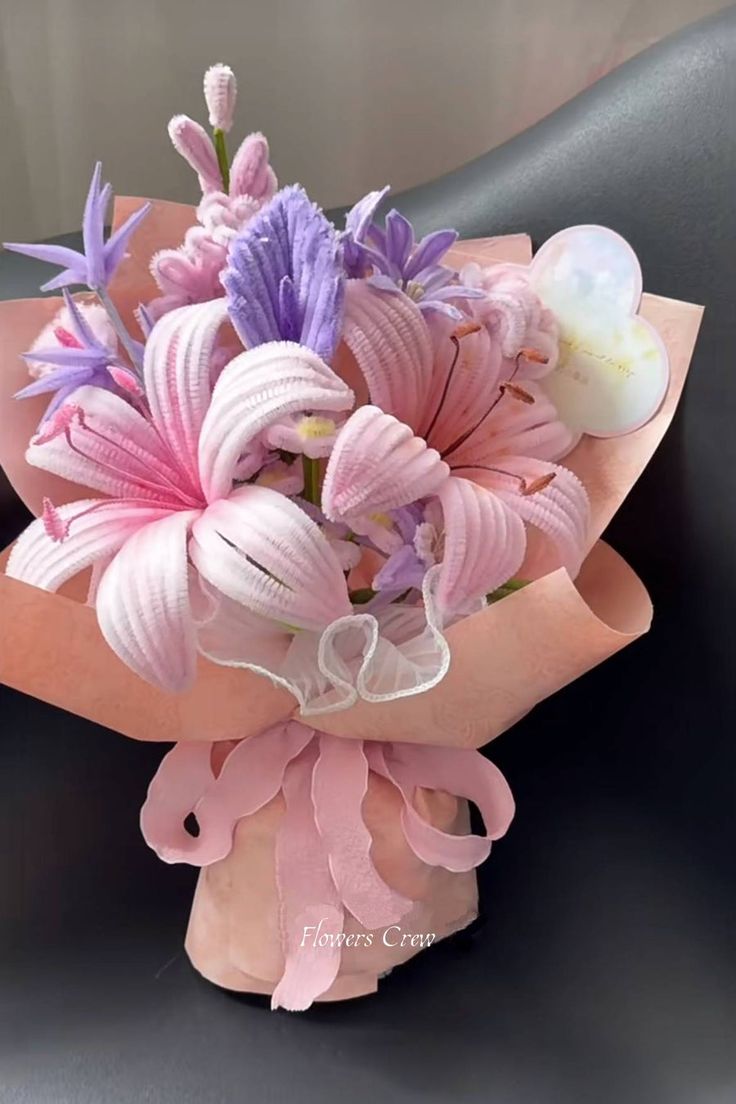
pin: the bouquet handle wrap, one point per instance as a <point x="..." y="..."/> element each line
<point x="326" y="862"/>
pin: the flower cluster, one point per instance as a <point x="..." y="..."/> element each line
<point x="322" y="448"/>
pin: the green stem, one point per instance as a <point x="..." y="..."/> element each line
<point x="222" y="158"/>
<point x="508" y="588"/>
<point x="311" y="480"/>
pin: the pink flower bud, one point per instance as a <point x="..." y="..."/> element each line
<point x="194" y="144"/>
<point x="125" y="380"/>
<point x="220" y="93"/>
<point x="250" y="172"/>
<point x="56" y="528"/>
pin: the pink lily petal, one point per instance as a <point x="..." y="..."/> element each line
<point x="250" y="172"/>
<point x="260" y="549"/>
<point x="118" y="453"/>
<point x="259" y="388"/>
<point x="518" y="427"/>
<point x="95" y="529"/>
<point x="560" y="508"/>
<point x="339" y="784"/>
<point x="143" y="606"/>
<point x="467" y="373"/>
<point x="177" y="376"/>
<point x="389" y="339"/>
<point x="378" y="464"/>
<point x="484" y="543"/>
<point x="307" y="894"/>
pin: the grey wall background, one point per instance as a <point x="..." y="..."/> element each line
<point x="351" y="93"/>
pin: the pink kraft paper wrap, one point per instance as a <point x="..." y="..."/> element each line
<point x="540" y="638"/>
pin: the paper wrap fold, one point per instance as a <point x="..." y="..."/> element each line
<point x="505" y="659"/>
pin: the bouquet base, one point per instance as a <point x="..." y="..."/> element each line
<point x="234" y="938"/>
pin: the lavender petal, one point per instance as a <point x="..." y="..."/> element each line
<point x="290" y="237"/>
<point x="430" y="251"/>
<point x="115" y="247"/>
<point x="399" y="239"/>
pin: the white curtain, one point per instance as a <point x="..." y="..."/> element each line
<point x="351" y="93"/>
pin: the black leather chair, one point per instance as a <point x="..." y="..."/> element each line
<point x="605" y="968"/>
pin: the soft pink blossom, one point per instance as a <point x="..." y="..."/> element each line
<point x="173" y="502"/>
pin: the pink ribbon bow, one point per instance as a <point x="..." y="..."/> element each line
<point x="323" y="859"/>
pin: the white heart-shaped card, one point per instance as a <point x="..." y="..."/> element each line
<point x="613" y="371"/>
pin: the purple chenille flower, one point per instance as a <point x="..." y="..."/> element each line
<point x="393" y="260"/>
<point x="96" y="266"/>
<point x="80" y="359"/>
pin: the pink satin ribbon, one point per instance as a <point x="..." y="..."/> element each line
<point x="323" y="861"/>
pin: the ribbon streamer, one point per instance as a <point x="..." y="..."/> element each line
<point x="323" y="860"/>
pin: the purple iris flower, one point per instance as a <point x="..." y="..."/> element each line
<point x="96" y="266"/>
<point x="405" y="568"/>
<point x="394" y="261"/>
<point x="81" y="360"/>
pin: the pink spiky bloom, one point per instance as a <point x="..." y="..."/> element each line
<point x="457" y="424"/>
<point x="220" y="93"/>
<point x="173" y="501"/>
<point x="53" y="524"/>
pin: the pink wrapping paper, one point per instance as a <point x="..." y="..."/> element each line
<point x="504" y="660"/>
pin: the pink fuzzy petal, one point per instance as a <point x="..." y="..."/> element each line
<point x="516" y="427"/>
<point x="250" y="173"/>
<point x="123" y="449"/>
<point x="143" y="606"/>
<point x="389" y="339"/>
<point x="220" y="93"/>
<point x="177" y="376"/>
<point x="257" y="389"/>
<point x="339" y="784"/>
<point x="484" y="543"/>
<point x="260" y="549"/>
<point x="560" y="509"/>
<point x="378" y="464"/>
<point x="94" y="529"/>
<point x="195" y="145"/>
<point x="464" y="381"/>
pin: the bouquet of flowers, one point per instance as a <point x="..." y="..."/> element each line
<point x="333" y="499"/>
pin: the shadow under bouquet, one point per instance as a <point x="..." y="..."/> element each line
<point x="323" y="508"/>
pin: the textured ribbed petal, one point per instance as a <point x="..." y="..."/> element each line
<point x="192" y="141"/>
<point x="516" y="428"/>
<point x="250" y="172"/>
<point x="92" y="536"/>
<point x="143" y="605"/>
<point x="177" y="376"/>
<point x="257" y="389"/>
<point x="289" y="243"/>
<point x="484" y="544"/>
<point x="378" y="464"/>
<point x="131" y="450"/>
<point x="389" y="339"/>
<point x="464" y="384"/>
<point x="260" y="549"/>
<point x="560" y="510"/>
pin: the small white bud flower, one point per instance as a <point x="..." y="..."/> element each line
<point x="220" y="93"/>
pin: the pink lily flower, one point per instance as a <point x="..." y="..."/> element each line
<point x="175" y="522"/>
<point x="451" y="421"/>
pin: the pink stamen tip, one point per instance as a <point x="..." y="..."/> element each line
<point x="68" y="340"/>
<point x="59" y="423"/>
<point x="125" y="380"/>
<point x="55" y="526"/>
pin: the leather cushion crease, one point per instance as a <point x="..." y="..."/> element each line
<point x="605" y="967"/>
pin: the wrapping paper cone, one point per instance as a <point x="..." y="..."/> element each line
<point x="233" y="935"/>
